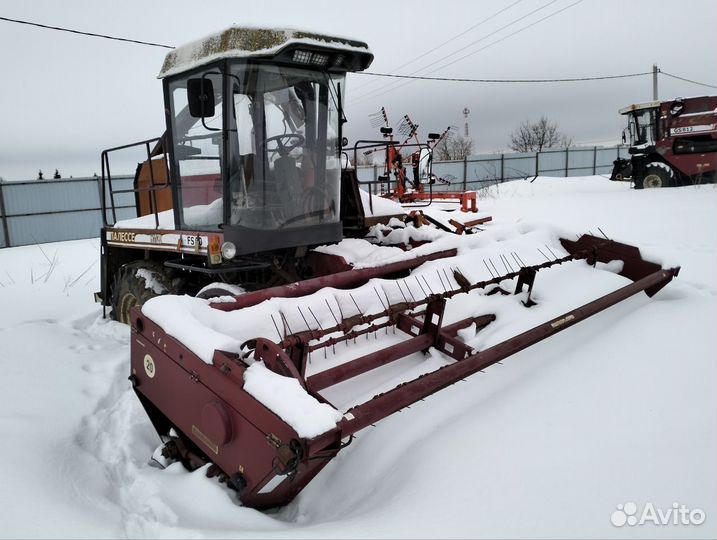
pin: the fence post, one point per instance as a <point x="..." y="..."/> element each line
<point x="4" y="216"/>
<point x="594" y="160"/>
<point x="567" y="158"/>
<point x="537" y="166"/>
<point x="502" y="168"/>
<point x="375" y="179"/>
<point x="465" y="172"/>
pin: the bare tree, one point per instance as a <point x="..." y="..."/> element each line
<point x="453" y="147"/>
<point x="537" y="136"/>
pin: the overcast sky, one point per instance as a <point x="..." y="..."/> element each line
<point x="66" y="97"/>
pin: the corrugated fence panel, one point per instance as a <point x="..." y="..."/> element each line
<point x="486" y="170"/>
<point x="43" y="228"/>
<point x="580" y="162"/>
<point x="37" y="197"/>
<point x="450" y="170"/>
<point x="519" y="165"/>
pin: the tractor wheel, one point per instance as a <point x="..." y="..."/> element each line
<point x="657" y="175"/>
<point x="134" y="284"/>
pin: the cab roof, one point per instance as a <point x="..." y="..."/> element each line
<point x="640" y="106"/>
<point x="248" y="42"/>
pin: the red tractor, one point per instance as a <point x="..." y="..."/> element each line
<point x="247" y="176"/>
<point x="672" y="143"/>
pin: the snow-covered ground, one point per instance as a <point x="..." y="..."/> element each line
<point x="620" y="408"/>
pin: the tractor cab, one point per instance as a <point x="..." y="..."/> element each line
<point x="641" y="125"/>
<point x="254" y="135"/>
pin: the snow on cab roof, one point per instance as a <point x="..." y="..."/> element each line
<point x="244" y="42"/>
<point x="639" y="106"/>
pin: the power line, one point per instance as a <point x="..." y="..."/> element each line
<point x="446" y="42"/>
<point x="686" y="80"/>
<point x="455" y="79"/>
<point x="391" y="86"/>
<point x="510" y="35"/>
<point x="92" y="34"/>
<point x="489" y="44"/>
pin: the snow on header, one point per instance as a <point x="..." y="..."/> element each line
<point x="287" y="399"/>
<point x="243" y="42"/>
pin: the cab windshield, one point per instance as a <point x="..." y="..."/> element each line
<point x="284" y="166"/>
<point x="642" y="127"/>
<point x="281" y="161"/>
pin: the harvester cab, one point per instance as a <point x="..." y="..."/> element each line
<point x="248" y="173"/>
<point x="641" y="124"/>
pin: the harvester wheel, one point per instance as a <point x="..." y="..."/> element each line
<point x="134" y="284"/>
<point x="657" y="175"/>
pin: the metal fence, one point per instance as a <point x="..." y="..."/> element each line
<point x="41" y="211"/>
<point x="478" y="171"/>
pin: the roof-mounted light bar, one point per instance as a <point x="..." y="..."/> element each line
<point x="313" y="58"/>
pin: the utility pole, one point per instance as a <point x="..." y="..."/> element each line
<point x="654" y="82"/>
<point x="466" y="112"/>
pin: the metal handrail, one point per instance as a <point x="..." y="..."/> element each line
<point x="106" y="179"/>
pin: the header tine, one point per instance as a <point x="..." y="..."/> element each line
<point x="305" y="321"/>
<point x="398" y="284"/>
<point x="286" y="322"/>
<point x="489" y="270"/>
<point x="380" y="299"/>
<point x="276" y="326"/>
<point x="448" y="279"/>
<point x="504" y="263"/>
<point x="331" y="310"/>
<point x="494" y="268"/>
<point x="427" y="285"/>
<point x="441" y="280"/>
<point x="543" y="254"/>
<point x="314" y="316"/>
<point x="421" y="286"/>
<point x="355" y="304"/>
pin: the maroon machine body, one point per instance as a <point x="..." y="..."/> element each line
<point x="672" y="142"/>
<point x="204" y="414"/>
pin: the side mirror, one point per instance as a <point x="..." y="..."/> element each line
<point x="200" y="97"/>
<point x="677" y="107"/>
<point x="344" y="142"/>
<point x="385" y="131"/>
<point x="424" y="163"/>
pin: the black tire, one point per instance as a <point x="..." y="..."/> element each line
<point x="130" y="289"/>
<point x="657" y="175"/>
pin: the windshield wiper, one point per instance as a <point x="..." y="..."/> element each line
<point x="335" y="97"/>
